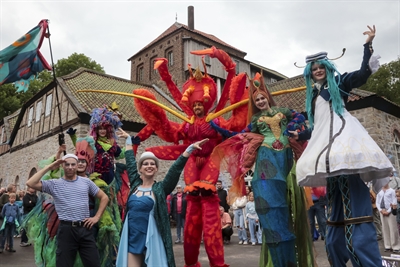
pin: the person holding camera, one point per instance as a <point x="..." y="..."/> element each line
<point x="386" y="202"/>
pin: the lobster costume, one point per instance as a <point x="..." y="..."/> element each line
<point x="200" y="173"/>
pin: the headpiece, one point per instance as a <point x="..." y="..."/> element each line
<point x="199" y="88"/>
<point x="85" y="149"/>
<point x="69" y="156"/>
<point x="320" y="56"/>
<point x="148" y="155"/>
<point x="104" y="118"/>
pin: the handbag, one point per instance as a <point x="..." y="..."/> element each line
<point x="394" y="212"/>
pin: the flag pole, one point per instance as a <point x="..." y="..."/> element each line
<point x="61" y="139"/>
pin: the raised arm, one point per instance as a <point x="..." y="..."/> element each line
<point x="131" y="165"/>
<point x="35" y="181"/>
<point x="174" y="172"/>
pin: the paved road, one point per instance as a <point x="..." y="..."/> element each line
<point x="236" y="255"/>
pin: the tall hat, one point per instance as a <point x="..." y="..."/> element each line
<point x="85" y="149"/>
<point x="104" y="118"/>
<point x="199" y="88"/>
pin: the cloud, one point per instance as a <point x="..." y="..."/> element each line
<point x="274" y="34"/>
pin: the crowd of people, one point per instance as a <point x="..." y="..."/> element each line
<point x="104" y="213"/>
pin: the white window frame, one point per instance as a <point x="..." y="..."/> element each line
<point x="30" y="116"/>
<point x="2" y="135"/>
<point x="170" y="57"/>
<point x="396" y="148"/>
<point x="38" y="110"/>
<point x="49" y="103"/>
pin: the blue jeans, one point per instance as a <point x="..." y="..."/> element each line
<point x="239" y="222"/>
<point x="180" y="223"/>
<point x="9" y="231"/>
<point x="253" y="233"/>
<point x="317" y="210"/>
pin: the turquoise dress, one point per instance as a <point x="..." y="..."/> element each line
<point x="140" y="234"/>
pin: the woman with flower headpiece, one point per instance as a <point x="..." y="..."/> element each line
<point x="279" y="202"/>
<point x="103" y="124"/>
<point x="341" y="155"/>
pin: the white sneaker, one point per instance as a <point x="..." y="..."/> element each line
<point x="240" y="242"/>
<point x="245" y="243"/>
<point x="253" y="243"/>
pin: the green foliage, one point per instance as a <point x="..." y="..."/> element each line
<point x="11" y="101"/>
<point x="386" y="81"/>
<point x="75" y="61"/>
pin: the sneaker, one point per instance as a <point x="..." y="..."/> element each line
<point x="253" y="243"/>
<point x="11" y="250"/>
<point x="245" y="243"/>
<point x="396" y="251"/>
<point x="18" y="236"/>
<point x="240" y="242"/>
<point x="177" y="241"/>
<point x="23" y="244"/>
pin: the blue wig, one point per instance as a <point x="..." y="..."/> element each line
<point x="333" y="88"/>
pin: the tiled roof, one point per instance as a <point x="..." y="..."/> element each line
<point x="297" y="100"/>
<point x="89" y="79"/>
<point x="176" y="26"/>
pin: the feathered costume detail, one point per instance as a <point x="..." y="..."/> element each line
<point x="200" y="173"/>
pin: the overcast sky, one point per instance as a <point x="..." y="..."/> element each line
<point x="274" y="34"/>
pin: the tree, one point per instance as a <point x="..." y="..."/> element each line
<point x="10" y="100"/>
<point x="386" y="81"/>
<point x="75" y="61"/>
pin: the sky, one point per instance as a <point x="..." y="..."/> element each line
<point x="274" y="34"/>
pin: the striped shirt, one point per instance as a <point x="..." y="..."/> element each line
<point x="71" y="198"/>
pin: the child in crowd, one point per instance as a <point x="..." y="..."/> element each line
<point x="12" y="218"/>
<point x="252" y="218"/>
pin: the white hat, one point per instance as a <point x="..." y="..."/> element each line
<point x="147" y="155"/>
<point x="70" y="156"/>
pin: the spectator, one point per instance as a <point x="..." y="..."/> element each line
<point x="398" y="210"/>
<point x="385" y="202"/>
<point x="226" y="224"/>
<point x="71" y="201"/>
<point x="238" y="211"/>
<point x="12" y="218"/>
<point x="29" y="202"/>
<point x="222" y="195"/>
<point x="375" y="214"/>
<point x="253" y="223"/>
<point x="178" y="211"/>
<point x="2" y="191"/>
<point x="318" y="195"/>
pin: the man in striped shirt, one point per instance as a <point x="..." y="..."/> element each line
<point x="71" y="199"/>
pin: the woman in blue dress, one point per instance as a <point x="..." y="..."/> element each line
<point x="146" y="235"/>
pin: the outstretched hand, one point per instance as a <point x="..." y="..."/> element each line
<point x="294" y="135"/>
<point x="198" y="144"/>
<point x="122" y="133"/>
<point x="370" y="33"/>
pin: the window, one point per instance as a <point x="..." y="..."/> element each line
<point x="30" y="116"/>
<point x="273" y="80"/>
<point x="153" y="72"/>
<point x="170" y="57"/>
<point x="38" y="110"/>
<point x="49" y="101"/>
<point x="237" y="66"/>
<point x="139" y="77"/>
<point x="207" y="59"/>
<point x="2" y="135"/>
<point x="396" y="147"/>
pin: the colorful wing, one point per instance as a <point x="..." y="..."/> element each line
<point x="237" y="155"/>
<point x="155" y="118"/>
<point x="237" y="93"/>
<point x="160" y="64"/>
<point x="168" y="152"/>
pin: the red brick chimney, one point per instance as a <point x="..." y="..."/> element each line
<point x="191" y="17"/>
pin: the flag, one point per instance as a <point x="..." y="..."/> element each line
<point x="22" y="61"/>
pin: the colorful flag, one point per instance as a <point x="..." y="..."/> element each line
<point x="22" y="61"/>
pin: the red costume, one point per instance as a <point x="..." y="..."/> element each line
<point x="200" y="174"/>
